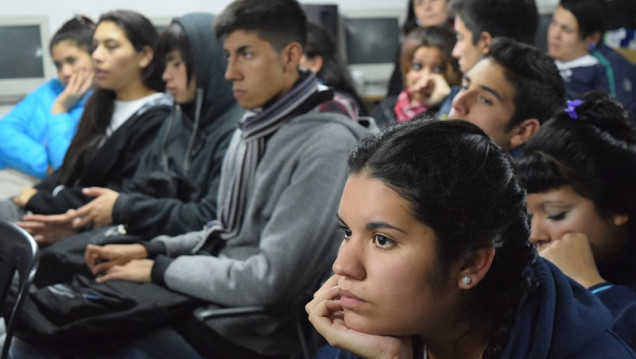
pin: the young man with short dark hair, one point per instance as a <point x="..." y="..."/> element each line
<point x="478" y="22"/>
<point x="510" y="92"/>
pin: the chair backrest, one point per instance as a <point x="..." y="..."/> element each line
<point x="18" y="255"/>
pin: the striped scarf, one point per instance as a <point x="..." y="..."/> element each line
<point x="254" y="128"/>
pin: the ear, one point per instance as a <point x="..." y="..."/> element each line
<point x="522" y="132"/>
<point x="145" y="56"/>
<point x="620" y="219"/>
<point x="475" y="267"/>
<point x="291" y="56"/>
<point x="314" y="64"/>
<point x="485" y="39"/>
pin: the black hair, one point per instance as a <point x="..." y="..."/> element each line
<point x="334" y="72"/>
<point x="517" y="19"/>
<point x="79" y="30"/>
<point x="591" y="15"/>
<point x="595" y="154"/>
<point x="174" y="38"/>
<point x="462" y="185"/>
<point x="99" y="107"/>
<point x="539" y="88"/>
<point x="279" y="22"/>
<point x="439" y="37"/>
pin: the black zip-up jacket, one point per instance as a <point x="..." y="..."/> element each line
<point x="174" y="190"/>
<point x="114" y="162"/>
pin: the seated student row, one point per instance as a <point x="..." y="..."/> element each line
<point x="289" y="150"/>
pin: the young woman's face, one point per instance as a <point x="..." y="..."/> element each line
<point x="118" y="66"/>
<point x="560" y="211"/>
<point x="564" y="39"/>
<point x="386" y="264"/>
<point x="430" y="12"/>
<point x="426" y="61"/>
<point x="69" y="58"/>
<point x="176" y="77"/>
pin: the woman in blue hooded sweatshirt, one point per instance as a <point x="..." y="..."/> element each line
<point x="436" y="262"/>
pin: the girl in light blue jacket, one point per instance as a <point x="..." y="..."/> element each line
<point x="36" y="133"/>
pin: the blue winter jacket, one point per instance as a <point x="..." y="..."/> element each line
<point x="31" y="139"/>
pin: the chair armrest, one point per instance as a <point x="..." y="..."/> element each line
<point x="212" y="312"/>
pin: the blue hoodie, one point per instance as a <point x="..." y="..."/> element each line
<point x="560" y="319"/>
<point x="621" y="301"/>
<point x="31" y="138"/>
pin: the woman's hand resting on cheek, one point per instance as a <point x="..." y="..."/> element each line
<point x="327" y="316"/>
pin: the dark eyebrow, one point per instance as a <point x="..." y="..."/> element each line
<point x="485" y="88"/>
<point x="374" y="225"/>
<point x="492" y="91"/>
<point x="243" y="48"/>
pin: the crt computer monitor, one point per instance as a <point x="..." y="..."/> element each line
<point x="372" y="39"/>
<point x="25" y="62"/>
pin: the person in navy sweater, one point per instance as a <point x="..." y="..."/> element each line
<point x="436" y="261"/>
<point x="576" y="27"/>
<point x="580" y="171"/>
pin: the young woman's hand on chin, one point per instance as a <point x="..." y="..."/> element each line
<point x="327" y="316"/>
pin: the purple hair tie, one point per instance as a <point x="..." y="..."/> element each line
<point x="571" y="109"/>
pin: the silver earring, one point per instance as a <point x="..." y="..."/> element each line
<point x="466" y="280"/>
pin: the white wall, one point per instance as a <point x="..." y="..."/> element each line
<point x="61" y="10"/>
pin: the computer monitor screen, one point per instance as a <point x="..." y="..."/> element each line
<point x="371" y="44"/>
<point x="371" y="40"/>
<point x="24" y="60"/>
<point x="25" y="56"/>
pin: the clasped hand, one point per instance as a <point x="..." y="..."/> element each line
<point x="52" y="228"/>
<point x="119" y="261"/>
